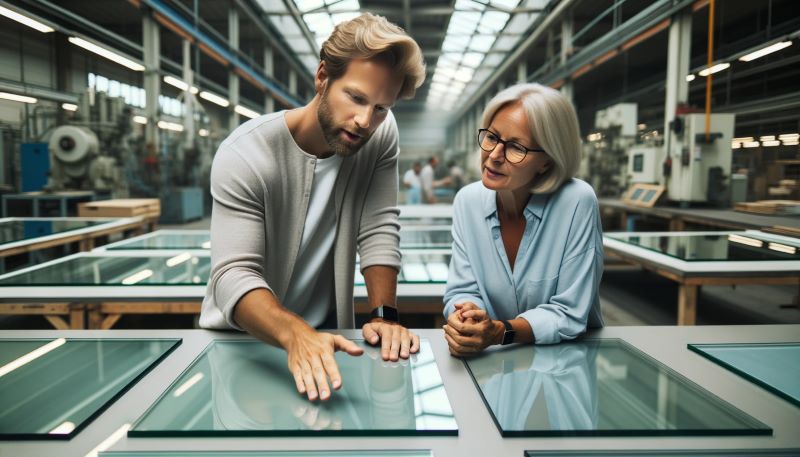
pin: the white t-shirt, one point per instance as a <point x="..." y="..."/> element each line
<point x="426" y="179"/>
<point x="310" y="293"/>
<point x="411" y="179"/>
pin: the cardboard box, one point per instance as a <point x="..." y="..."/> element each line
<point x="121" y="207"/>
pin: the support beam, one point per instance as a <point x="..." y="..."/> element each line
<point x="188" y="97"/>
<point x="269" y="71"/>
<point x="567" y="29"/>
<point x="677" y="88"/>
<point x="152" y="82"/>
<point x="233" y="78"/>
<point x="522" y="72"/>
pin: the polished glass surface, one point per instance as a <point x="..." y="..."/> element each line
<point x="198" y="239"/>
<point x="426" y="239"/>
<point x="419" y="268"/>
<point x="598" y="388"/>
<point x="51" y="389"/>
<point x="733" y="247"/>
<point x="774" y="366"/>
<point x="424" y="221"/>
<point x="19" y="230"/>
<point x="181" y="269"/>
<point x="243" y="388"/>
<point x="268" y="454"/>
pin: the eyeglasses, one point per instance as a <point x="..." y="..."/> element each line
<point x="513" y="151"/>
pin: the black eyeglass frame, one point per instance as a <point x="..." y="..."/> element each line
<point x="505" y="146"/>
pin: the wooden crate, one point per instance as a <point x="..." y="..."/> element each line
<point x="121" y="207"/>
<point x="769" y="207"/>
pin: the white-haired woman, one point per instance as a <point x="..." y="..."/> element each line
<point x="527" y="250"/>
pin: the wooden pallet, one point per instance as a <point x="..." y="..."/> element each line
<point x="781" y="207"/>
<point x="121" y="207"/>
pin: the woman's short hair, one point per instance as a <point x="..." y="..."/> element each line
<point x="553" y="125"/>
<point x="368" y="36"/>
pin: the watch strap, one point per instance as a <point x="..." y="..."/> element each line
<point x="385" y="312"/>
<point x="508" y="334"/>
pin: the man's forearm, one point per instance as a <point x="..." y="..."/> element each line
<point x="381" y="283"/>
<point x="260" y="313"/>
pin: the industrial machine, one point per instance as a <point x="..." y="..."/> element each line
<point x="698" y="166"/>
<point x="606" y="153"/>
<point x="643" y="166"/>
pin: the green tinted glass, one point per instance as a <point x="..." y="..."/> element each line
<point x="426" y="239"/>
<point x="774" y="366"/>
<point x="196" y="239"/>
<point x="598" y="388"/>
<point x="417" y="269"/>
<point x="742" y="246"/>
<point x="51" y="389"/>
<point x="243" y="388"/>
<point x="269" y="454"/>
<point x="18" y="230"/>
<point x="181" y="269"/>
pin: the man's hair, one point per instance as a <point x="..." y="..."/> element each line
<point x="369" y="36"/>
<point x="553" y="124"/>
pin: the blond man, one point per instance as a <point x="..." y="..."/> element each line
<point x="297" y="193"/>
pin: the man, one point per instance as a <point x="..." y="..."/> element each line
<point x="296" y="192"/>
<point x="412" y="184"/>
<point x="426" y="178"/>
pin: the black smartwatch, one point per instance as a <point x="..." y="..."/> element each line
<point x="509" y="333"/>
<point x="385" y="312"/>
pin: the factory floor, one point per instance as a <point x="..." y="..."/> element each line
<point x="628" y="296"/>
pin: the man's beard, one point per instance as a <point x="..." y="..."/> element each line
<point x="331" y="133"/>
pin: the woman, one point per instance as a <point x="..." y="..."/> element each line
<point x="527" y="250"/>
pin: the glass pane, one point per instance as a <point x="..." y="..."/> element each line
<point x="243" y="388"/>
<point x="417" y="269"/>
<point x="426" y="239"/>
<point x="417" y="221"/>
<point x="268" y="454"/>
<point x="51" y="389"/>
<point x="668" y="453"/>
<point x="201" y="239"/>
<point x="774" y="366"/>
<point x="18" y="230"/>
<point x="743" y="246"/>
<point x="598" y="388"/>
<point x="181" y="269"/>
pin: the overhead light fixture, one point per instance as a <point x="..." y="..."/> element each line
<point x="31" y="356"/>
<point x="170" y="126"/>
<point x="714" y="69"/>
<point x="767" y="138"/>
<point x="246" y="112"/>
<point x="69" y="106"/>
<point x="175" y="82"/>
<point x="735" y="145"/>
<point x="764" y="51"/>
<point x="770" y="143"/>
<point x="744" y="139"/>
<point x="17" y="98"/>
<point x="25" y="20"/>
<point x="791" y="142"/>
<point x="202" y="132"/>
<point x="214" y="98"/>
<point x="751" y="144"/>
<point x="690" y="77"/>
<point x="140" y="120"/>
<point x="789" y="136"/>
<point x="110" y="55"/>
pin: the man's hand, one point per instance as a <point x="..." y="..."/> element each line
<point x="311" y="361"/>
<point x="469" y="330"/>
<point x="396" y="341"/>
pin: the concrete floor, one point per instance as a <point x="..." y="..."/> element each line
<point x="628" y="296"/>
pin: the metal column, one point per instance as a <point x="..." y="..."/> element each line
<point x="677" y="88"/>
<point x="233" y="78"/>
<point x="522" y="72"/>
<point x="188" y="97"/>
<point x="566" y="50"/>
<point x="152" y="81"/>
<point x="269" y="70"/>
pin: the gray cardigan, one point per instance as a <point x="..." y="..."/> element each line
<point x="261" y="184"/>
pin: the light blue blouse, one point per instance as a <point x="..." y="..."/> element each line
<point x="558" y="266"/>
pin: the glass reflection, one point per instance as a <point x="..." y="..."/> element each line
<point x="774" y="366"/>
<point x="181" y="269"/>
<point x="736" y="247"/>
<point x="18" y="230"/>
<point x="199" y="239"/>
<point x="348" y="453"/>
<point x="51" y="389"/>
<point x="425" y="238"/>
<point x="599" y="388"/>
<point x="419" y="268"/>
<point x="242" y="388"/>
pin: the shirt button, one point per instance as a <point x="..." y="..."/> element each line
<point x="496" y="236"/>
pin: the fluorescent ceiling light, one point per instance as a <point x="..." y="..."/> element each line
<point x="744" y="139"/>
<point x="770" y="143"/>
<point x="791" y="142"/>
<point x="214" y="98"/>
<point x="247" y="112"/>
<point x="203" y="132"/>
<point x="714" y="69"/>
<point x="31" y="356"/>
<point x="170" y="126"/>
<point x="751" y="144"/>
<point x="69" y="106"/>
<point x="735" y="145"/>
<point x="690" y="77"/>
<point x="140" y="120"/>
<point x="137" y="277"/>
<point x="175" y="82"/>
<point x="110" y="55"/>
<point x="25" y="20"/>
<point x="764" y="51"/>
<point x="17" y="98"/>
<point x="789" y="136"/>
<point x="767" y="138"/>
<point x="188" y="384"/>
